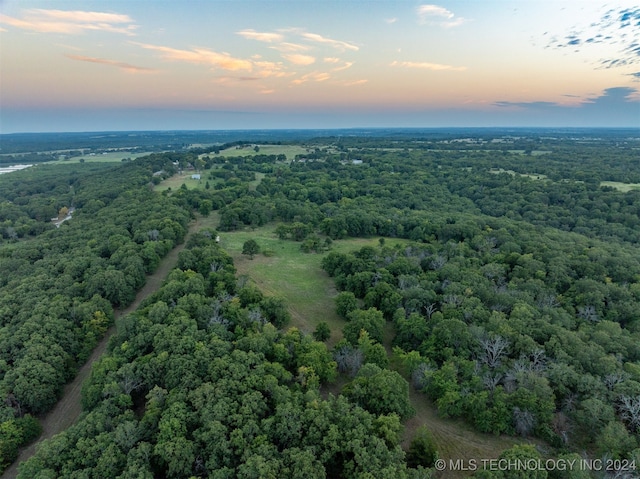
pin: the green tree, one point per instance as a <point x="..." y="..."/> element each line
<point x="322" y="331"/>
<point x="373" y="352"/>
<point x="345" y="303"/>
<point x="275" y="311"/>
<point x="615" y="441"/>
<point x="380" y="391"/>
<point x="250" y="248"/>
<point x="422" y="450"/>
<point x="370" y="320"/>
<point x="205" y="206"/>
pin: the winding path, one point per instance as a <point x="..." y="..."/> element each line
<point x="68" y="408"/>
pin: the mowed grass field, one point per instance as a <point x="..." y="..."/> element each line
<point x="290" y="151"/>
<point x="533" y="176"/>
<point x="289" y="273"/>
<point x="176" y="181"/>
<point x="110" y="157"/>
<point x="624" y="187"/>
<point x="309" y="292"/>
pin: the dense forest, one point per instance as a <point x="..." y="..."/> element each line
<point x="60" y="285"/>
<point x="514" y="301"/>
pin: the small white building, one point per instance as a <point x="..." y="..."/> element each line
<point x="195" y="177"/>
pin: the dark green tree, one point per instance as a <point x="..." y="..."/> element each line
<point x="422" y="450"/>
<point x="322" y="331"/>
<point x="250" y="248"/>
<point x="380" y="391"/>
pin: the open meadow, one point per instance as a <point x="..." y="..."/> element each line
<point x="107" y="157"/>
<point x="191" y="183"/>
<point x="623" y="187"/>
<point x="290" y="151"/>
<point x="176" y="181"/>
<point x="288" y="272"/>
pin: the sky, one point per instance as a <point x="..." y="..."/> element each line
<point x="112" y="65"/>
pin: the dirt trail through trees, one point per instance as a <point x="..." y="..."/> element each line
<point x="68" y="408"/>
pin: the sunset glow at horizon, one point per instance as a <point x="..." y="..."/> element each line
<point x="156" y="65"/>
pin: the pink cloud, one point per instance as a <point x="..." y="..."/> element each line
<point x="427" y="66"/>
<point x="201" y="56"/>
<point x="124" y="66"/>
<point x="70" y="22"/>
<point x="261" y="36"/>
<point x="298" y="59"/>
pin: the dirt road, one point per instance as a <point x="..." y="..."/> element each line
<point x="68" y="408"/>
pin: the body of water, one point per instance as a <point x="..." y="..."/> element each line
<point x="9" y="169"/>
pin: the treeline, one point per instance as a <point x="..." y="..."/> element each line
<point x="199" y="382"/>
<point x="412" y="194"/>
<point x="59" y="286"/>
<point x="30" y="198"/>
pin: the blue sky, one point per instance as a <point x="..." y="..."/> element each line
<point x="145" y="65"/>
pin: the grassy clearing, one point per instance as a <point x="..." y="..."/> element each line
<point x="533" y="176"/>
<point x="624" y="187"/>
<point x="287" y="272"/>
<point x="176" y="181"/>
<point x="110" y="157"/>
<point x="254" y="184"/>
<point x="533" y="153"/>
<point x="290" y="151"/>
<point x="293" y="275"/>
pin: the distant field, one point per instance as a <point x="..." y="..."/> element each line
<point x="624" y="187"/>
<point x="533" y="176"/>
<point x="176" y="181"/>
<point x="533" y="153"/>
<point x="290" y="151"/>
<point x="110" y="157"/>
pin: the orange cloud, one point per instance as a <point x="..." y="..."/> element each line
<point x="78" y="16"/>
<point x="124" y="66"/>
<point x="201" y="56"/>
<point x="298" y="59"/>
<point x="346" y="66"/>
<point x="290" y="47"/>
<point x="314" y="76"/>
<point x="427" y="66"/>
<point x="261" y="36"/>
<point x="340" y="45"/>
<point x="270" y="69"/>
<point x="70" y="22"/>
<point x="356" y="83"/>
<point x="232" y="79"/>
